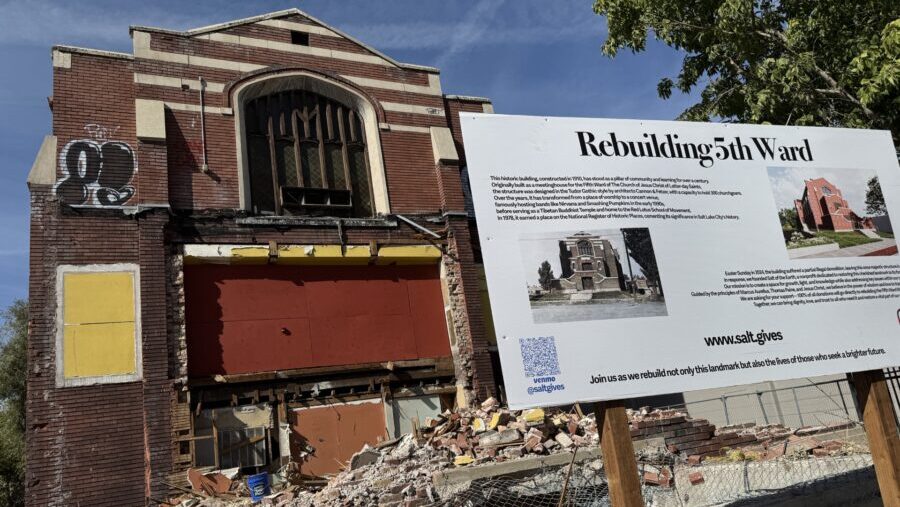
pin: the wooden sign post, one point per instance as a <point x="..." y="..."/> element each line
<point x="881" y="430"/>
<point x="618" y="454"/>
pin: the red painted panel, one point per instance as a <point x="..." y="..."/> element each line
<point x="246" y="319"/>
<point x="337" y="432"/>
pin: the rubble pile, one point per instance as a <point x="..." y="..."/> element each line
<point x="698" y="439"/>
<point x="683" y="435"/>
<point x="400" y="472"/>
<point x="492" y="433"/>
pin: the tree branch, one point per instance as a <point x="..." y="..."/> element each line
<point x="835" y="89"/>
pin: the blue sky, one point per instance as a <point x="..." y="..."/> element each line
<point x="529" y="56"/>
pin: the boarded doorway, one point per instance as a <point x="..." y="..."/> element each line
<point x="336" y="432"/>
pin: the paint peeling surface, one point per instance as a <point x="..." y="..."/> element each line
<point x="247" y="319"/>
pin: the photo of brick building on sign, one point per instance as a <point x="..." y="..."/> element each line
<point x="609" y="274"/>
<point x="831" y="213"/>
<point x="590" y="264"/>
<point x="823" y="207"/>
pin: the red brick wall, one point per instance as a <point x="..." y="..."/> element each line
<point x="93" y="109"/>
<point x="407" y="155"/>
<point x="83" y="440"/>
<point x="112" y="444"/>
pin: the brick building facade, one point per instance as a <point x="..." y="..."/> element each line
<point x="822" y="206"/>
<point x="242" y="237"/>
<point x="589" y="263"/>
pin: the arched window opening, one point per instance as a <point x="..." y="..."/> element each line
<point x="585" y="248"/>
<point x="307" y="156"/>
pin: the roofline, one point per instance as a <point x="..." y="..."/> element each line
<point x="277" y="14"/>
<point x="469" y="98"/>
<point x="92" y="52"/>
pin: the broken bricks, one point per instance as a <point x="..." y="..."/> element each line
<point x="490" y="433"/>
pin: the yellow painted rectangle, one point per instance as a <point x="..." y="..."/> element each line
<point x="410" y="254"/>
<point x="92" y="298"/>
<point x="250" y="255"/>
<point x="93" y="350"/>
<point x="334" y="251"/>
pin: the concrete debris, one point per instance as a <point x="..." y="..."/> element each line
<point x="404" y="471"/>
<point x="365" y="457"/>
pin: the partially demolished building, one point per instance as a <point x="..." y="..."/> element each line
<point x="248" y="240"/>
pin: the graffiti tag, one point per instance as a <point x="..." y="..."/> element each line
<point x="96" y="173"/>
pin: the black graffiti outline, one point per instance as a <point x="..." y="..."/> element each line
<point x="86" y="182"/>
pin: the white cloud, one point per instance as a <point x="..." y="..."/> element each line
<point x="489" y="22"/>
<point x="45" y="23"/>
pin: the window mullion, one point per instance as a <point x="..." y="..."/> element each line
<point x="275" y="186"/>
<point x="321" y="140"/>
<point x="298" y="165"/>
<point x="344" y="154"/>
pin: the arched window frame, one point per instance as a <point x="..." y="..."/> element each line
<point x="585" y="248"/>
<point x="267" y="84"/>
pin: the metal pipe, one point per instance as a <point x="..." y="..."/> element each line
<point x="417" y="226"/>
<point x="204" y="168"/>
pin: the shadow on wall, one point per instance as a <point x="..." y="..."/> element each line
<point x="184" y="157"/>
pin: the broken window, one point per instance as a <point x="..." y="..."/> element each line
<point x="232" y="437"/>
<point x="307" y="156"/>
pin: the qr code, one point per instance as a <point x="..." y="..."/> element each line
<point x="539" y="356"/>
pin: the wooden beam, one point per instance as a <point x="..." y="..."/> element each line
<point x="618" y="454"/>
<point x="436" y="366"/>
<point x="881" y="429"/>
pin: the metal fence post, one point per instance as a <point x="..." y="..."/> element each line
<point x="797" y="404"/>
<point x="761" y="406"/>
<point x="725" y="406"/>
<point x="843" y="401"/>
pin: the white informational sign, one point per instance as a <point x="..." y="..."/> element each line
<point x="632" y="258"/>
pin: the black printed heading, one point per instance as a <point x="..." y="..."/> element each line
<point x="670" y="147"/>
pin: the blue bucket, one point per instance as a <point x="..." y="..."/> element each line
<point x="258" y="485"/>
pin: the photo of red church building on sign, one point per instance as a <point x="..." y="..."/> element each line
<point x="832" y="213"/>
<point x="824" y="207"/>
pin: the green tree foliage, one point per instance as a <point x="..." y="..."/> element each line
<point x="13" y="344"/>
<point x="789" y="218"/>
<point x="545" y="275"/>
<point x="874" y="198"/>
<point x="792" y="62"/>
<point x="640" y="248"/>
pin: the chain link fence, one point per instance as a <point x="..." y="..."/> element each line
<point x="831" y="481"/>
<point x="811" y="404"/>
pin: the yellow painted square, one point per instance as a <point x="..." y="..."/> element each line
<point x="94" y="298"/>
<point x="92" y="350"/>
